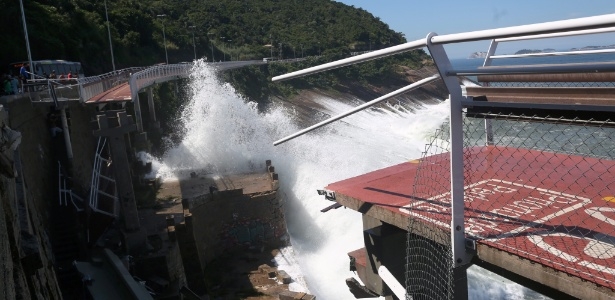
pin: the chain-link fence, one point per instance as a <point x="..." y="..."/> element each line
<point x="539" y="187"/>
<point x="429" y="262"/>
<point x="544" y="191"/>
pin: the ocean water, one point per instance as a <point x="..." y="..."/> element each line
<point x="224" y="133"/>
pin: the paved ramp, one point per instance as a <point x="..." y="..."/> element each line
<point x="120" y="93"/>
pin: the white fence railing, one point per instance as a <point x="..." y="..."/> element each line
<point x="157" y="74"/>
<point x="94" y="85"/>
<point x="138" y="78"/>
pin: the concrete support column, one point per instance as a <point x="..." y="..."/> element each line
<point x="69" y="148"/>
<point x="115" y="125"/>
<point x="150" y="103"/>
<point x="190" y="257"/>
<point x="138" y="117"/>
<point x="385" y="245"/>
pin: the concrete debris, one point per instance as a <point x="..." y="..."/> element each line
<point x="284" y="277"/>
<point x="10" y="138"/>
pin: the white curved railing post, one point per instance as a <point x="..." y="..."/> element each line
<point x="488" y="60"/>
<point x="457" y="230"/>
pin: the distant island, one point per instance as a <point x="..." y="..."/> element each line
<point x="481" y="54"/>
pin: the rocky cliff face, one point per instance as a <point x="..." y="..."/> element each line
<point x="26" y="270"/>
<point x="29" y="193"/>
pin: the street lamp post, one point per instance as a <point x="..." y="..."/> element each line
<point x="231" y="55"/>
<point x="25" y="31"/>
<point x="109" y="33"/>
<point x="193" y="43"/>
<point x="223" y="48"/>
<point x="164" y="37"/>
<point x="212" y="46"/>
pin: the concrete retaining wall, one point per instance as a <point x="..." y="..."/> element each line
<point x="232" y="221"/>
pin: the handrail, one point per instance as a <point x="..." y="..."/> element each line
<point x="506" y="32"/>
<point x="525" y="30"/>
<point x="562" y="53"/>
<point x="495" y="42"/>
<point x="360" y="107"/>
<point x="94" y="85"/>
<point x="94" y="178"/>
<point x="95" y="181"/>
<point x="354" y="59"/>
<point x="557" y="34"/>
<point x="156" y="74"/>
<point x="100" y="77"/>
<point x="536" y="69"/>
<point x="515" y="31"/>
<point x="64" y="192"/>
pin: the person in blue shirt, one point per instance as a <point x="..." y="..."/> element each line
<point x="23" y="72"/>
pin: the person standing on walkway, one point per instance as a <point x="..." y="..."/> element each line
<point x="23" y="72"/>
<point x="15" y="84"/>
<point x="8" y="87"/>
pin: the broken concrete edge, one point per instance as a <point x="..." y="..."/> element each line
<point x="137" y="290"/>
<point x="288" y="295"/>
<point x="274" y="273"/>
<point x="284" y="277"/>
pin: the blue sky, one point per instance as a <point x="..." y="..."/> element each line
<point x="417" y="18"/>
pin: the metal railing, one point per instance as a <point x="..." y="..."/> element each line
<point x="157" y="74"/>
<point x="456" y="154"/>
<point x="138" y="78"/>
<point x="94" y="85"/>
<point x="100" y="173"/>
<point x="495" y="42"/>
<point x="66" y="194"/>
<point x="52" y="90"/>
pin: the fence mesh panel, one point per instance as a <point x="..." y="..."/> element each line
<point x="428" y="253"/>
<point x="543" y="189"/>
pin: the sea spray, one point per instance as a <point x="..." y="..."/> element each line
<point x="224" y="133"/>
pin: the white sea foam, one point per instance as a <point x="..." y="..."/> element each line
<point x="223" y="134"/>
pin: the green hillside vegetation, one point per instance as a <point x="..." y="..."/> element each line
<point x="231" y="29"/>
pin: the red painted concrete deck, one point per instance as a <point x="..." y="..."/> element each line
<point x="552" y="210"/>
<point x="120" y="93"/>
